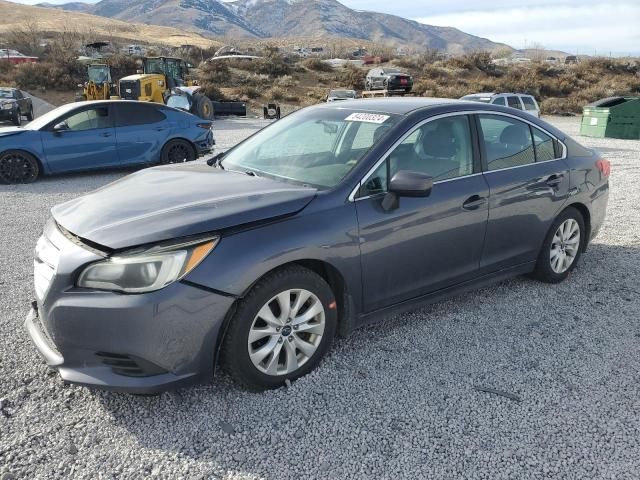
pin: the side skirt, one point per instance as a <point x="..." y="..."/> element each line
<point x="438" y="295"/>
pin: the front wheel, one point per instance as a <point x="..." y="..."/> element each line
<point x="281" y="329"/>
<point x="18" y="167"/>
<point x="562" y="247"/>
<point x="30" y="114"/>
<point x="177" y="151"/>
<point x="17" y="120"/>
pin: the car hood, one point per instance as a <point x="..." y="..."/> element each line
<point x="6" y="131"/>
<point x="176" y="201"/>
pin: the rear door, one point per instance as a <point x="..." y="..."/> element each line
<point x="87" y="140"/>
<point x="141" y="131"/>
<point x="529" y="184"/>
<point x="424" y="244"/>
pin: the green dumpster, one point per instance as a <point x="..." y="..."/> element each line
<point x="615" y="117"/>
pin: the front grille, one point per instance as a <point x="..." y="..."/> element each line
<point x="45" y="264"/>
<point x="128" y="365"/>
<point x="130" y="89"/>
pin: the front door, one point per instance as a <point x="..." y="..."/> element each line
<point x="425" y="243"/>
<point x="529" y="184"/>
<point x="84" y="139"/>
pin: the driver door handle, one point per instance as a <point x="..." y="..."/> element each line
<point x="106" y="134"/>
<point x="474" y="202"/>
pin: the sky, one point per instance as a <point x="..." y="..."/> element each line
<point x="590" y="27"/>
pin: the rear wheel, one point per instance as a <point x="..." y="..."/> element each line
<point x="562" y="247"/>
<point x="281" y="329"/>
<point x="203" y="107"/>
<point x="177" y="151"/>
<point x="18" y="167"/>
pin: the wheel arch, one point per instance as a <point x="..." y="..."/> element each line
<point x="184" y="139"/>
<point x="586" y="217"/>
<point x="41" y="165"/>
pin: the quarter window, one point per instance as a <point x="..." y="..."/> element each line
<point x="507" y="142"/>
<point x="544" y="144"/>
<point x="499" y="101"/>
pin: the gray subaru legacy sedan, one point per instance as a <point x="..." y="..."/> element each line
<point x="333" y="217"/>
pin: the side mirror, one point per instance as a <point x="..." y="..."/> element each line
<point x="60" y="127"/>
<point x="407" y="184"/>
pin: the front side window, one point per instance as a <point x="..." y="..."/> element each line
<point x="529" y="103"/>
<point x="316" y="147"/>
<point x="514" y="102"/>
<point x="89" y="119"/>
<point x="507" y="142"/>
<point x="441" y="149"/>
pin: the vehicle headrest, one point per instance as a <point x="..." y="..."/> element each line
<point x="439" y="142"/>
<point x="515" y="135"/>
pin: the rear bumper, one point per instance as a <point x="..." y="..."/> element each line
<point x="206" y="144"/>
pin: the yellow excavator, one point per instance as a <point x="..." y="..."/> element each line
<point x="163" y="81"/>
<point x="98" y="86"/>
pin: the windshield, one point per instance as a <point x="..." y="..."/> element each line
<point x="342" y="94"/>
<point x="6" y="94"/>
<point x="99" y="74"/>
<point x="317" y="146"/>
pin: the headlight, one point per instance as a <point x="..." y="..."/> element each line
<point x="146" y="270"/>
<point x="7" y="106"/>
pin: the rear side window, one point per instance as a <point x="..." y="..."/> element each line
<point x="529" y="103"/>
<point x="499" y="101"/>
<point x="137" y="114"/>
<point x="514" y="102"/>
<point x="507" y="142"/>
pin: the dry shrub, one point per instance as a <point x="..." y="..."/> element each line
<point x="64" y="74"/>
<point x="352" y="76"/>
<point x="317" y="65"/>
<point x="279" y="94"/>
<point x="247" y="92"/>
<point x="286" y="82"/>
<point x="216" y="73"/>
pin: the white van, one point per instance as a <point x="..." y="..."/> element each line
<point x="520" y="101"/>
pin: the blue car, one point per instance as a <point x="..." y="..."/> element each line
<point x="101" y="134"/>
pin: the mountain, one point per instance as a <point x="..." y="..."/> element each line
<point x="256" y="19"/>
<point x="49" y="20"/>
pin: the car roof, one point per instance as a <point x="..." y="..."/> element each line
<point x="392" y="105"/>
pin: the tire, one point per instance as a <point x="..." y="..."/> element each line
<point x="368" y="86"/>
<point x="17" y="166"/>
<point x="272" y="352"/>
<point x="30" y="114"/>
<point x="177" y="151"/>
<point x="202" y="107"/>
<point x="561" y="246"/>
<point x="17" y="120"/>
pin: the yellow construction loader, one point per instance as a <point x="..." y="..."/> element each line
<point x="99" y="86"/>
<point x="163" y="81"/>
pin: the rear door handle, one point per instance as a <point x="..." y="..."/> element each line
<point x="474" y="202"/>
<point x="555" y="180"/>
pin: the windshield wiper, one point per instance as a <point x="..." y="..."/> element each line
<point x="216" y="161"/>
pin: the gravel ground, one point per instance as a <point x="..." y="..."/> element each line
<point x="401" y="399"/>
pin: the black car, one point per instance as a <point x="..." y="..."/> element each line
<point x="14" y="104"/>
<point x="388" y="78"/>
<point x="328" y="219"/>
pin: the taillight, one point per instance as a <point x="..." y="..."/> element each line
<point x="206" y="126"/>
<point x="604" y="166"/>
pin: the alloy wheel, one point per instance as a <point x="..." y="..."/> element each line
<point x="17" y="168"/>
<point x="565" y="246"/>
<point x="179" y="153"/>
<point x="286" y="332"/>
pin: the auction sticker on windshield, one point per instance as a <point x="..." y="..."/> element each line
<point x="367" y="117"/>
